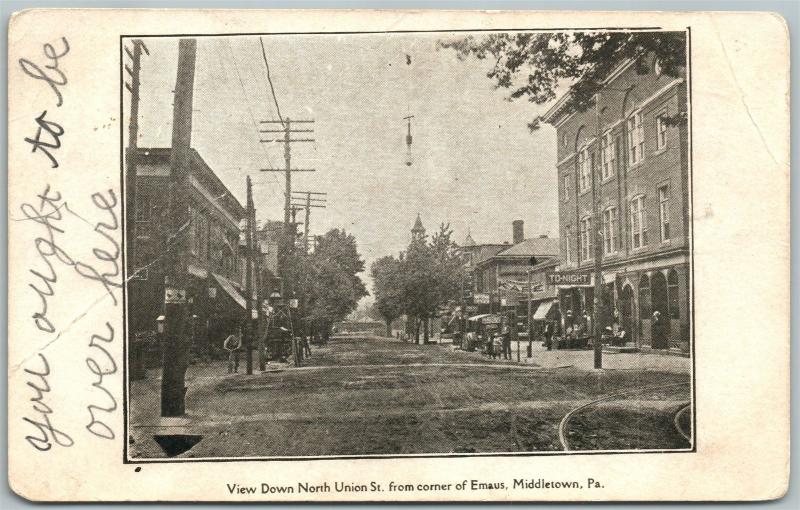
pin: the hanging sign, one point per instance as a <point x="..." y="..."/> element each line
<point x="294" y="303"/>
<point x="174" y="296"/>
<point x="481" y="299"/>
<point x="570" y="279"/>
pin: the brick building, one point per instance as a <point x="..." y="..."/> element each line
<point x="635" y="141"/>
<point x="210" y="251"/>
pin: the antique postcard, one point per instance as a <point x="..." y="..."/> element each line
<point x="398" y="256"/>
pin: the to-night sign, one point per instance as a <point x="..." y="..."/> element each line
<point x="570" y="279"/>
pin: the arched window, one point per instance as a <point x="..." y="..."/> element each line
<point x="585" y="162"/>
<point x="658" y="292"/>
<point x="644" y="297"/>
<point x="672" y="291"/>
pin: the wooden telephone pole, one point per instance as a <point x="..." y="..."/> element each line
<point x="137" y="353"/>
<point x="597" y="225"/>
<point x="310" y="202"/>
<point x="176" y="347"/>
<point x="289" y="230"/>
<point x="248" y="331"/>
<point x="133" y="138"/>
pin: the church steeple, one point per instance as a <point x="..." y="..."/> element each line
<point x="418" y="231"/>
<point x="468" y="241"/>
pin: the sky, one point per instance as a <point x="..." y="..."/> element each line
<point x="475" y="165"/>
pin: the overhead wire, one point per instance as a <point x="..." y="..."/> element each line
<point x="247" y="103"/>
<point x="269" y="79"/>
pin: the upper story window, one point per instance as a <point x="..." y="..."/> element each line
<point x="566" y="187"/>
<point x="567" y="244"/>
<point x="635" y="139"/>
<point x="584" y="169"/>
<point x="661" y="132"/>
<point x="586" y="238"/>
<point x="663" y="211"/>
<point x="638" y="222"/>
<point x="608" y="156"/>
<point x="610" y="230"/>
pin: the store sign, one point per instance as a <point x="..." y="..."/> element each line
<point x="570" y="279"/>
<point x="472" y="309"/>
<point x="482" y="299"/>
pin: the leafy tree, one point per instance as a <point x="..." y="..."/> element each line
<point x="417" y="283"/>
<point x="535" y="65"/>
<point x="387" y="275"/>
<point x="330" y="280"/>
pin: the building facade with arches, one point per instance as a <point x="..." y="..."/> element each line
<point x="629" y="152"/>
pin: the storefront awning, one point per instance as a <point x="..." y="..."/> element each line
<point x="486" y="317"/>
<point x="541" y="312"/>
<point x="229" y="289"/>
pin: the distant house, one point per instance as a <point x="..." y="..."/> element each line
<point x="512" y="264"/>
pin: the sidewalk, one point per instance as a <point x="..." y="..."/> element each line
<point x="584" y="359"/>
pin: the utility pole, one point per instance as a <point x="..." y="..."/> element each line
<point x="248" y="330"/>
<point x="310" y="202"/>
<point x="288" y="235"/>
<point x="530" y="315"/>
<point x="598" y="249"/>
<point x="137" y="351"/>
<point x="175" y="351"/>
<point x="261" y="328"/>
<point x="133" y="138"/>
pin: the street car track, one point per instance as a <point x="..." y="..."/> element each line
<point x="677" y="422"/>
<point x="562" y="426"/>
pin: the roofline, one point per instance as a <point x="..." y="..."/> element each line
<point x="166" y="152"/>
<point x="552" y="116"/>
<point x="550" y="257"/>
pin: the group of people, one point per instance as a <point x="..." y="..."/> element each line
<point x="577" y="328"/>
<point x="233" y="344"/>
<point x="499" y="345"/>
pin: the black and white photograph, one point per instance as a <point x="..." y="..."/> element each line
<point x="389" y="244"/>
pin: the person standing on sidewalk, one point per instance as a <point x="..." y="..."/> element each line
<point x="232" y="344"/>
<point x="506" y="339"/>
<point x="548" y="335"/>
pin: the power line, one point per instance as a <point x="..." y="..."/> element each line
<point x="247" y="103"/>
<point x="269" y="79"/>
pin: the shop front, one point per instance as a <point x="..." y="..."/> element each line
<point x="649" y="302"/>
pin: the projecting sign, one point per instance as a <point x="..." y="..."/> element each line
<point x="570" y="279"/>
<point x="172" y="295"/>
<point x="481" y="299"/>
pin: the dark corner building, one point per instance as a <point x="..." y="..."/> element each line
<point x="634" y="139"/>
<point x="210" y="253"/>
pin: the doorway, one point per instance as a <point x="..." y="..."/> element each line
<point x="626" y="309"/>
